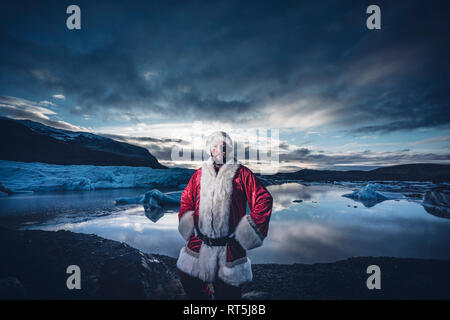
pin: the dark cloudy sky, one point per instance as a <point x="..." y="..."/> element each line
<point x="152" y="72"/>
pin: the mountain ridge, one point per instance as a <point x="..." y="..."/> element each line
<point x="29" y="141"/>
<point x="415" y="172"/>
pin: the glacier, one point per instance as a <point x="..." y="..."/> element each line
<point x="18" y="176"/>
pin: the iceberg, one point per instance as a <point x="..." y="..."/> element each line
<point x="370" y="195"/>
<point x="154" y="202"/>
<point x="153" y="196"/>
<point x="437" y="202"/>
<point x="35" y="176"/>
<point x="5" y="190"/>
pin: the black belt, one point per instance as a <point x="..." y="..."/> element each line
<point x="214" y="242"/>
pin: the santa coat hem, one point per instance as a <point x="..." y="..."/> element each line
<point x="234" y="273"/>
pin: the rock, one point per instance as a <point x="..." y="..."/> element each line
<point x="11" y="288"/>
<point x="402" y="278"/>
<point x="109" y="269"/>
<point x="113" y="270"/>
<point x="137" y="276"/>
<point x="255" y="295"/>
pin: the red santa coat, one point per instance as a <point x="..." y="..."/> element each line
<point x="215" y="203"/>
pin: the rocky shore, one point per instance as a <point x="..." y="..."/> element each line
<point x="33" y="265"/>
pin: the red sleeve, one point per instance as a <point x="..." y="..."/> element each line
<point x="187" y="208"/>
<point x="188" y="196"/>
<point x="259" y="201"/>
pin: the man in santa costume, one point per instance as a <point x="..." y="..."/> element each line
<point x="214" y="222"/>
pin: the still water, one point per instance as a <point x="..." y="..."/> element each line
<point x="323" y="227"/>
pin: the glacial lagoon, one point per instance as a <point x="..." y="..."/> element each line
<point x="310" y="223"/>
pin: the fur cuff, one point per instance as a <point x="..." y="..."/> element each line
<point x="237" y="274"/>
<point x="186" y="225"/>
<point x="188" y="262"/>
<point x="247" y="234"/>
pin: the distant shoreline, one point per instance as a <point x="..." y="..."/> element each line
<point x="423" y="172"/>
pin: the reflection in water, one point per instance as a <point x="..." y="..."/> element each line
<point x="370" y="195"/>
<point x="285" y="194"/>
<point x="327" y="227"/>
<point x="155" y="214"/>
<point x="437" y="202"/>
<point x="323" y="227"/>
<point x="155" y="202"/>
<point x="131" y="226"/>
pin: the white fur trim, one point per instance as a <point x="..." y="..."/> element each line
<point x="215" y="198"/>
<point x="237" y="274"/>
<point x="247" y="234"/>
<point x="208" y="261"/>
<point x="214" y="212"/>
<point x="186" y="225"/>
<point x="211" y="262"/>
<point x="188" y="262"/>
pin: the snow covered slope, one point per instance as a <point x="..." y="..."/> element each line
<point x="29" y="141"/>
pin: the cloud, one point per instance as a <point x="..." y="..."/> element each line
<point x="431" y="140"/>
<point x="161" y="148"/>
<point x="17" y="108"/>
<point x="149" y="75"/>
<point x="47" y="103"/>
<point x="59" y="96"/>
<point x="307" y="158"/>
<point x="291" y="157"/>
<point x="45" y="76"/>
<point x="274" y="64"/>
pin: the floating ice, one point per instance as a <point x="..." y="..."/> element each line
<point x="154" y="202"/>
<point x="370" y="195"/>
<point x="437" y="202"/>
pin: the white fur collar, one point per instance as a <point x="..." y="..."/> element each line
<point x="215" y="197"/>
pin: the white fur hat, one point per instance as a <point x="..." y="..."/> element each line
<point x="219" y="136"/>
